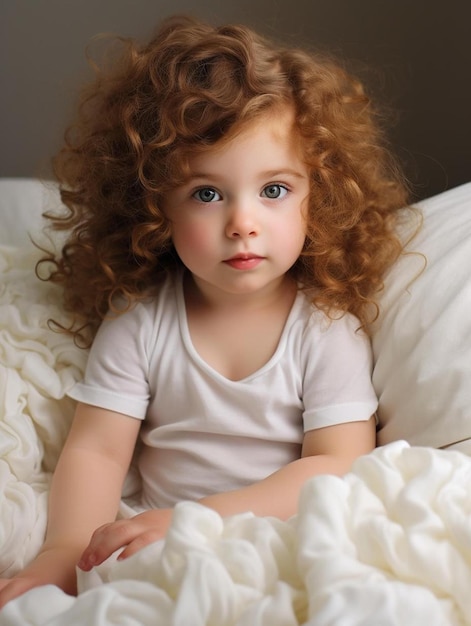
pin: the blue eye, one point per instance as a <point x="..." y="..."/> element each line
<point x="274" y="192"/>
<point x="206" y="194"/>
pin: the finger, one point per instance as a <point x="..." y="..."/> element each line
<point x="106" y="540"/>
<point x="140" y="542"/>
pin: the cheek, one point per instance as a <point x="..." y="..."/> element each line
<point x="190" y="240"/>
<point x="293" y="232"/>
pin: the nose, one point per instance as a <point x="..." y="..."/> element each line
<point x="242" y="222"/>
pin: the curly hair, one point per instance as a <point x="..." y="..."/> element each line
<point x="190" y="87"/>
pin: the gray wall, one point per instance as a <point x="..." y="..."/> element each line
<point x="418" y="51"/>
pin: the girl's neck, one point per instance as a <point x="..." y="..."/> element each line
<point x="202" y="295"/>
<point x="236" y="334"/>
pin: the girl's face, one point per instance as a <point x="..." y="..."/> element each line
<point x="238" y="222"/>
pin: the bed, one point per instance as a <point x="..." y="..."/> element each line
<point x="390" y="543"/>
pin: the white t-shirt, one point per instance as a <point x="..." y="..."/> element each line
<point x="203" y="433"/>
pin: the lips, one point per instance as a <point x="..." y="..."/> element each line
<point x="244" y="261"/>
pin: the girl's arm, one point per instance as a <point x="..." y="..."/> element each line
<point x="85" y="493"/>
<point x="330" y="450"/>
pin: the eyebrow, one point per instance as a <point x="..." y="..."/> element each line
<point x="283" y="172"/>
<point x="276" y="173"/>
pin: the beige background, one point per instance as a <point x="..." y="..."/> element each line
<point x="418" y="53"/>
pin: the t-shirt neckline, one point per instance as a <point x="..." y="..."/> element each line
<point x="194" y="354"/>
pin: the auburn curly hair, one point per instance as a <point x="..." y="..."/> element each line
<point x="190" y="87"/>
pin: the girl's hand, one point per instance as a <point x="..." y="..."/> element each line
<point x="133" y="534"/>
<point x="15" y="587"/>
<point x="52" y="566"/>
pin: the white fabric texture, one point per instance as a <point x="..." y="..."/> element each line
<point x="422" y="344"/>
<point x="22" y="202"/>
<point x="207" y="434"/>
<point x="389" y="544"/>
<point x="37" y="368"/>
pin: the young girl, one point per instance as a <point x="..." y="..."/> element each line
<point x="231" y="214"/>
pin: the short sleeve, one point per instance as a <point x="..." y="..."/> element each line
<point x="337" y="386"/>
<point x="116" y="376"/>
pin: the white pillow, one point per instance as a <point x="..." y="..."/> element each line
<point x="22" y="202"/>
<point x="422" y="342"/>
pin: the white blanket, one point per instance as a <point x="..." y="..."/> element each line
<point x="37" y="367"/>
<point x="388" y="544"/>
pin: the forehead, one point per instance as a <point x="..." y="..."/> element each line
<point x="272" y="134"/>
<point x="277" y="123"/>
